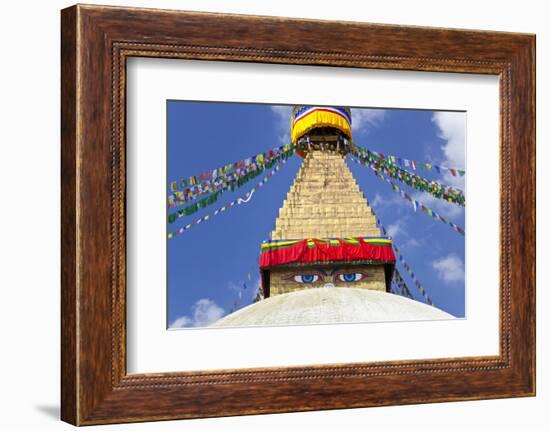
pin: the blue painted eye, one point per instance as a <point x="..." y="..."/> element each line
<point x="306" y="278"/>
<point x="350" y="277"/>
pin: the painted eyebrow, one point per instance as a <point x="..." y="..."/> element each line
<point x="312" y="271"/>
<point x="338" y="268"/>
<point x="351" y="271"/>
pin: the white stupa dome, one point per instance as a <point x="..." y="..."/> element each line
<point x="331" y="305"/>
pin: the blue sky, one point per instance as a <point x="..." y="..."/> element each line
<point x="213" y="267"/>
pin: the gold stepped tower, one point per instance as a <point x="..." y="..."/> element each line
<point x="325" y="202"/>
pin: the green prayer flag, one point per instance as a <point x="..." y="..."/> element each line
<point x="190" y="209"/>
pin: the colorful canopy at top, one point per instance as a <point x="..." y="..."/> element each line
<point x="307" y="118"/>
<point x="328" y="250"/>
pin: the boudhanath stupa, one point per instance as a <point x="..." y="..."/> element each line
<point x="326" y="260"/>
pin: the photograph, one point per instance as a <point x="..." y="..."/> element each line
<point x="281" y="215"/>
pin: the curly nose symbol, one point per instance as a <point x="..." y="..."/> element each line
<point x="328" y="285"/>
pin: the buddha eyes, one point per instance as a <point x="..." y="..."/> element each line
<point x="349" y="277"/>
<point x="345" y="277"/>
<point x="306" y="278"/>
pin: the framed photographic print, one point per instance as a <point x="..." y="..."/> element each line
<point x="329" y="214"/>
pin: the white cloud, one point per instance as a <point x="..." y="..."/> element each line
<point x="391" y="199"/>
<point x="400" y="231"/>
<point x="362" y="119"/>
<point x="450" y="269"/>
<point x="181" y="322"/>
<point x="452" y="128"/>
<point x="377" y="201"/>
<point x="204" y="312"/>
<point x="395" y="229"/>
<point x="411" y="243"/>
<point x="283" y="115"/>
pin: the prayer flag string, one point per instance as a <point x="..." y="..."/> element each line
<point x="246" y="292"/>
<point x="406" y="163"/>
<point x="189" y="188"/>
<point x="416" y="204"/>
<point x="401" y="285"/>
<point x="435" y="188"/>
<point x="216" y="189"/>
<point x="244" y="199"/>
<point x="413" y="276"/>
<point x="397" y="275"/>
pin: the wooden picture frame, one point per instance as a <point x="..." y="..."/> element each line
<point x="95" y="43"/>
